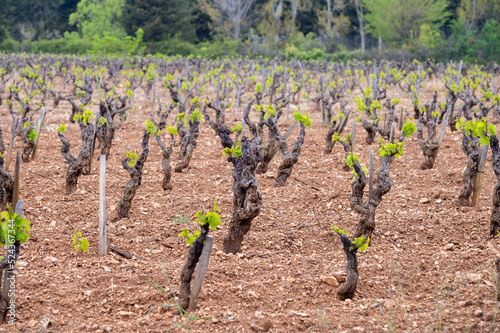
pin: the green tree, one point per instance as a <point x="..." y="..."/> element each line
<point x="160" y="19"/>
<point x="477" y="12"/>
<point x="31" y="20"/>
<point x="99" y="17"/>
<point x="402" y="19"/>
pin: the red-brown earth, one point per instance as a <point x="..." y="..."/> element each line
<point x="429" y="266"/>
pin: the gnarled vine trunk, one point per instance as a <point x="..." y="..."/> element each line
<point x="429" y="146"/>
<point x="167" y="169"/>
<point x="337" y="126"/>
<point x="188" y="144"/>
<point x="246" y="199"/>
<point x="187" y="271"/>
<point x="348" y="289"/>
<point x="470" y="146"/>
<point x="105" y="130"/>
<point x="495" y="211"/>
<point x="6" y="186"/>
<point x="289" y="157"/>
<point x="135" y="172"/>
<point x="76" y="166"/>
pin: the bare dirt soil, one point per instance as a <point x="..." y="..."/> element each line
<point x="429" y="266"/>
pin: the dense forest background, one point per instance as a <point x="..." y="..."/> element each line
<point x="304" y="29"/>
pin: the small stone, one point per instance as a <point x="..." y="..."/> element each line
<point x="252" y="294"/>
<point x="332" y="281"/>
<point x="53" y="223"/>
<point x="302" y="314"/>
<point x="478" y="313"/>
<point x="424" y="200"/>
<point x="474" y="277"/>
<point x="340" y="276"/>
<point x="125" y="314"/>
<point x="262" y="326"/>
<point x="106" y="268"/>
<point x="49" y="259"/>
<point x="438" y="201"/>
<point x="21" y="263"/>
<point x="448" y="247"/>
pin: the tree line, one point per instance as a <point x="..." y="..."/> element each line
<point x="309" y="29"/>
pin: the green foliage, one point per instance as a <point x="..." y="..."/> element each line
<point x="132" y="158"/>
<point x="270" y="110"/>
<point x="62" y="128"/>
<point x="233" y="151"/>
<point x="304" y="47"/>
<point x="237" y="128"/>
<point x="360" y="243"/>
<point x="85" y="117"/>
<point x="181" y="219"/>
<point x="390" y="149"/>
<point x="258" y="88"/>
<point x="111" y="45"/>
<point x="478" y="128"/>
<point x="102" y="120"/>
<point x="305" y="120"/>
<point x="338" y="138"/>
<point x="80" y="242"/>
<point x="151" y="128"/>
<point x="32" y="134"/>
<point x="171" y="130"/>
<point x="340" y="231"/>
<point x="409" y="128"/>
<point x="210" y="217"/>
<point x="195" y="116"/>
<point x="13" y="228"/>
<point x="406" y="18"/>
<point x="97" y="17"/>
<point x="350" y="159"/>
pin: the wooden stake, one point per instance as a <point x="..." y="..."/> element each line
<point x="201" y="270"/>
<point x="38" y="130"/>
<point x="391" y="134"/>
<point x="479" y="175"/>
<point x="103" y="215"/>
<point x="400" y="123"/>
<point x="443" y="126"/>
<point x="17" y="168"/>
<point x="154" y="88"/>
<point x="9" y="282"/>
<point x="353" y="136"/>
<point x="11" y="146"/>
<point x="459" y="73"/>
<point x="370" y="177"/>
<point x="288" y="104"/>
<point x="218" y="87"/>
<point x="497" y="277"/>
<point x="237" y="103"/>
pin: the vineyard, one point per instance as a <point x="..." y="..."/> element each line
<point x="176" y="194"/>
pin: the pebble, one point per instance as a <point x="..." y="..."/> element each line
<point x="449" y="247"/>
<point x="332" y="281"/>
<point x="424" y="200"/>
<point x="474" y="277"/>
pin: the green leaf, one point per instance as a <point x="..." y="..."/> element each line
<point x="484" y="140"/>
